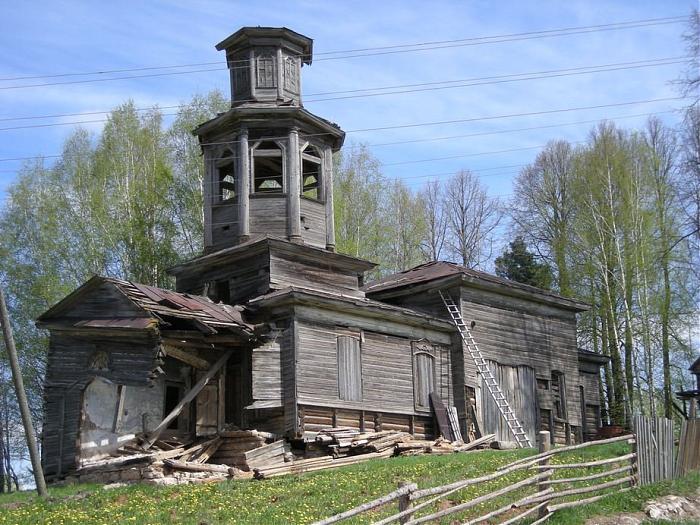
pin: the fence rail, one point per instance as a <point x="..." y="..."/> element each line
<point x="543" y="502"/>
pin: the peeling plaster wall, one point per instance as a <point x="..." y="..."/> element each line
<point x="113" y="414"/>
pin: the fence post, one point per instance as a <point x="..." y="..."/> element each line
<point x="635" y="460"/>
<point x="405" y="502"/>
<point x="544" y="443"/>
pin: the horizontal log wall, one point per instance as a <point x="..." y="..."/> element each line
<point x="387" y="370"/>
<point x="515" y="332"/>
<point x="268" y="215"/>
<point x="315" y="418"/>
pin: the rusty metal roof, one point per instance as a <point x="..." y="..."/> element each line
<point x="161" y="305"/>
<point x="435" y="270"/>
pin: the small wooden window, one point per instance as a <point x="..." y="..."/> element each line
<point x="423" y="378"/>
<point x="265" y="67"/>
<point x="349" y="369"/>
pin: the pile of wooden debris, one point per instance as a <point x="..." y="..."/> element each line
<point x="239" y="454"/>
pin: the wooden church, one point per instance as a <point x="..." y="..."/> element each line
<point x="272" y="329"/>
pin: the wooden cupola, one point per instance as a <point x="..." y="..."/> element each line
<point x="268" y="160"/>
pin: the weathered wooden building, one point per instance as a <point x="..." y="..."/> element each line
<point x="272" y="329"/>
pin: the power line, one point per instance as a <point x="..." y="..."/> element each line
<point x="435" y="85"/>
<point x="385" y="50"/>
<point x="402" y="126"/>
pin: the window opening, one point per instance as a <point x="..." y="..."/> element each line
<point x="227" y="177"/>
<point x="173" y="395"/>
<point x="268" y="168"/>
<point x="311" y="172"/>
<point x="290" y="74"/>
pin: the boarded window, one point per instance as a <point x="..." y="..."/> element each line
<point x="291" y="82"/>
<point x="349" y="369"/>
<point x="558" y="385"/>
<point x="423" y="378"/>
<point x="266" y="77"/>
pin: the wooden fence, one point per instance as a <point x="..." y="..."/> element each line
<point x="551" y="493"/>
<point x="689" y="447"/>
<point x="655" y="446"/>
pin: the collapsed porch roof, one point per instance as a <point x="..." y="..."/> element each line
<point x="148" y="307"/>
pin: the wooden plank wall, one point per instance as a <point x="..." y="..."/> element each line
<point x="313" y="222"/>
<point x="655" y="449"/>
<point x="268" y="215"/>
<point x="518" y="385"/>
<point x="514" y="333"/>
<point x="287" y="270"/>
<point x="689" y="447"/>
<point x="130" y="361"/>
<point x="225" y="224"/>
<point x="387" y="370"/>
<point x="267" y="373"/>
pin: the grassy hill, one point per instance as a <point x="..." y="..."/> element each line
<point x="301" y="499"/>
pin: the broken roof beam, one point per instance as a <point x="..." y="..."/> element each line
<point x="186" y="357"/>
<point x="188" y="397"/>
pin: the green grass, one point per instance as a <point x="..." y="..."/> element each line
<point x="301" y="499"/>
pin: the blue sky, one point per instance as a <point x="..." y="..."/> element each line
<point x="41" y="38"/>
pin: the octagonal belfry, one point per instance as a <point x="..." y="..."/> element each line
<point x="269" y="165"/>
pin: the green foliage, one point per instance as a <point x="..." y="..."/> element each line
<point x="308" y="497"/>
<point x="519" y="264"/>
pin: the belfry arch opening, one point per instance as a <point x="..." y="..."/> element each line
<point x="311" y="162"/>
<point x="268" y="167"/>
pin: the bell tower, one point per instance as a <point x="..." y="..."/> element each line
<point x="269" y="165"/>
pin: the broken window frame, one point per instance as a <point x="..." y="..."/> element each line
<point x="316" y="159"/>
<point x="226" y="178"/>
<point x="291" y="75"/>
<point x="559" y="397"/>
<point x="258" y="152"/>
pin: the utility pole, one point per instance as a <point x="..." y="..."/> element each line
<point x="22" y="397"/>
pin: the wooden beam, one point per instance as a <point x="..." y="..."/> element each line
<point x="189" y="396"/>
<point x="186" y="357"/>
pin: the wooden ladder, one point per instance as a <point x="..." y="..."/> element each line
<point x="482" y="368"/>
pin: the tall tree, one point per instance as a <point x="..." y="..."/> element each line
<point x="543" y="208"/>
<point x="432" y="199"/>
<point x="519" y="264"/>
<point x="472" y="219"/>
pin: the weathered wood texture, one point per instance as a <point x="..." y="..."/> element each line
<point x="541" y="338"/>
<point x="387" y="370"/>
<point x="655" y="449"/>
<point x="689" y="447"/>
<point x="314" y="418"/>
<point x="313" y="222"/>
<point x="268" y="215"/>
<point x="68" y="372"/>
<point x="518" y="385"/>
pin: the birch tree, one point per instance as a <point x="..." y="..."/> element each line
<point x="472" y="219"/>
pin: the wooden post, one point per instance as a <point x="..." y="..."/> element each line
<point x="188" y="397"/>
<point x="544" y="443"/>
<point x="22" y="398"/>
<point x="405" y="502"/>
